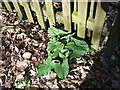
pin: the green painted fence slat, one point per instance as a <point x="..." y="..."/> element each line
<point x="50" y="12"/>
<point x="67" y="15"/>
<point x="98" y="25"/>
<point x="7" y="5"/>
<point x="82" y="15"/>
<point x="15" y="3"/>
<point x="36" y="7"/>
<point x="27" y="10"/>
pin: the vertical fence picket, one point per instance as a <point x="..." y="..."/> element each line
<point x="75" y="11"/>
<point x="67" y="14"/>
<point x="98" y="25"/>
<point x="90" y="20"/>
<point x="36" y="7"/>
<point x="0" y="5"/>
<point x="7" y="5"/>
<point x="27" y="10"/>
<point x="75" y="5"/>
<point x="82" y="15"/>
<point x="50" y="12"/>
<point x="15" y="3"/>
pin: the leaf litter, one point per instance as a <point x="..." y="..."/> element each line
<point x="24" y="47"/>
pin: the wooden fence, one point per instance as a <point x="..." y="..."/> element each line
<point x="85" y="16"/>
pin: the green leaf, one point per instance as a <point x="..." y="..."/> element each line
<point x="62" y="69"/>
<point x="71" y="46"/>
<point x="67" y="54"/>
<point x="80" y="43"/>
<point x="53" y="45"/>
<point x="57" y="50"/>
<point x="64" y="50"/>
<point x="67" y="37"/>
<point x="77" y="53"/>
<point x="52" y="32"/>
<point x="46" y="67"/>
<point x="61" y="55"/>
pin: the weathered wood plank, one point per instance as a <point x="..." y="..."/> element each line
<point x="67" y="15"/>
<point x="27" y="10"/>
<point x="75" y="10"/>
<point x="92" y="8"/>
<point x="50" y="12"/>
<point x="75" y="5"/>
<point x="0" y="5"/>
<point x="90" y="20"/>
<point x="36" y="7"/>
<point x="17" y="8"/>
<point x="98" y="25"/>
<point x="82" y="15"/>
<point x="7" y="5"/>
<point x="90" y="23"/>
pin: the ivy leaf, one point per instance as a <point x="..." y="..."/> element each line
<point x="52" y="32"/>
<point x="62" y="69"/>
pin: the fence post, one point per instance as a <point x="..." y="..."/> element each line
<point x="90" y="20"/>
<point x="24" y="3"/>
<point x="67" y="14"/>
<point x="37" y="8"/>
<point x="82" y="16"/>
<point x="98" y="25"/>
<point x="15" y="3"/>
<point x="7" y="5"/>
<point x="50" y="12"/>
